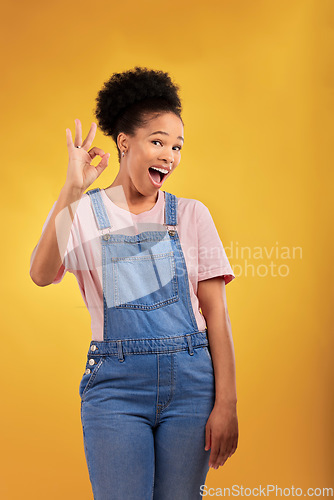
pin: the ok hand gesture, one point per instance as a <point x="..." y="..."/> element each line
<point x="80" y="173"/>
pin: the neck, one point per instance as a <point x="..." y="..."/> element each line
<point x="124" y="194"/>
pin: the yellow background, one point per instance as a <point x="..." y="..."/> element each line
<point x="256" y="80"/>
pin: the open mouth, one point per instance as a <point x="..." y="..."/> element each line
<point x="156" y="176"/>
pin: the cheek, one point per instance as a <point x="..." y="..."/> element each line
<point x="177" y="159"/>
<point x="146" y="152"/>
<point x="152" y="151"/>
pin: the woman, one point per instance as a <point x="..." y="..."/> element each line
<point x="158" y="395"/>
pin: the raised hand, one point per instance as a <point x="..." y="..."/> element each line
<point x="80" y="173"/>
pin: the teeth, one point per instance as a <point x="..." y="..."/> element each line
<point x="161" y="170"/>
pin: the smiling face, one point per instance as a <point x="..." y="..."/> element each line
<point x="156" y="144"/>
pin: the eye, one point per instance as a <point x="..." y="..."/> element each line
<point x="178" y="148"/>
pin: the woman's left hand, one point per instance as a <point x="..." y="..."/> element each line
<point x="221" y="433"/>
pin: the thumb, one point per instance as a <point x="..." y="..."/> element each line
<point x="207" y="438"/>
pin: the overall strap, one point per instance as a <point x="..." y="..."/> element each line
<point x="170" y="209"/>
<point x="99" y="209"/>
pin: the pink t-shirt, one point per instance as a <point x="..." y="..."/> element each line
<point x="203" y="250"/>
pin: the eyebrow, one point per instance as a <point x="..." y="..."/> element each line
<point x="165" y="133"/>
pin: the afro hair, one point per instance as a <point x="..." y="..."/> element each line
<point x="126" y="98"/>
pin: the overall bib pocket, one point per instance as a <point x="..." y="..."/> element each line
<point x="145" y="282"/>
<point x="143" y="273"/>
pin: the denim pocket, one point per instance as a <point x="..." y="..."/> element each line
<point x="139" y="272"/>
<point x="145" y="282"/>
<point x="93" y="365"/>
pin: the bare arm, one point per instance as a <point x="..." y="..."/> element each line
<point x="212" y="299"/>
<point x="222" y="425"/>
<point x="48" y="254"/>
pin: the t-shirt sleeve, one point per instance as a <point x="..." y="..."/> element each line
<point x="63" y="268"/>
<point x="212" y="259"/>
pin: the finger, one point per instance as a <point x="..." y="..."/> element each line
<point x="224" y="449"/>
<point x="96" y="152"/>
<point x="213" y="455"/>
<point x="103" y="164"/>
<point x="223" y="456"/>
<point x="69" y="139"/>
<point x="78" y="133"/>
<point x="90" y="136"/>
<point x="207" y="438"/>
<point x="230" y="446"/>
<point x="234" y="447"/>
<point x="223" y="460"/>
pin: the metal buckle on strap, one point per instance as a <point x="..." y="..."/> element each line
<point x="171" y="231"/>
<point x="105" y="233"/>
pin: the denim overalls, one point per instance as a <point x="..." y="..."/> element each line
<point x="148" y="388"/>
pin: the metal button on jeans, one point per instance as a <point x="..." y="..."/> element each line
<point x="87" y="371"/>
<point x="93" y="347"/>
<point x="91" y="362"/>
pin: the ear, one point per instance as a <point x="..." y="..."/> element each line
<point x="122" y="141"/>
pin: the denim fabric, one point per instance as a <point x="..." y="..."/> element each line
<point x="148" y="387"/>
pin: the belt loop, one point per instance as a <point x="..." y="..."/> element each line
<point x="190" y="346"/>
<point x="120" y="351"/>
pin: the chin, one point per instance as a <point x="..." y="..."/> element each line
<point x="146" y="191"/>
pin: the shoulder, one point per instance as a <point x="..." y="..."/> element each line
<point x="85" y="202"/>
<point x="191" y="206"/>
<point x="85" y="198"/>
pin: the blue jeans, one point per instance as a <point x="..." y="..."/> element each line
<point x="144" y="422"/>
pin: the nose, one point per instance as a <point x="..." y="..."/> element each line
<point x="168" y="157"/>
